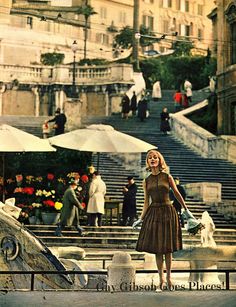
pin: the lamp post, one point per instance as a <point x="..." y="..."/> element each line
<point x="74" y="48"/>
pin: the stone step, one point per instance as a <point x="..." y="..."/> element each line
<point x="109" y="243"/>
<point x="119" y="229"/>
<point x="121" y="235"/>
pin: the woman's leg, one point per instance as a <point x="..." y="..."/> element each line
<point x="159" y="262"/>
<point x="168" y="261"/>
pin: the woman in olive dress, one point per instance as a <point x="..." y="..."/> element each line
<point x="160" y="233"/>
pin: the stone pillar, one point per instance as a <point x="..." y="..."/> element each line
<point x="61" y="100"/>
<point x="57" y="99"/>
<point x="121" y="273"/>
<point x="36" y="101"/>
<point x="2" y="90"/>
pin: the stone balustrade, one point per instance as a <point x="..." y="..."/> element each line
<point x="62" y="74"/>
<point x="202" y="141"/>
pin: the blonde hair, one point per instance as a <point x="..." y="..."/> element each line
<point x="162" y="163"/>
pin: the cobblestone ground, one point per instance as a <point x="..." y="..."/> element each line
<point x="136" y="299"/>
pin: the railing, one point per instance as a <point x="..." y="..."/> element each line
<point x="63" y="74"/>
<point x="33" y="273"/>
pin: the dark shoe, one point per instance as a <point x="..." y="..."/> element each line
<point x="80" y="231"/>
<point x="58" y="231"/>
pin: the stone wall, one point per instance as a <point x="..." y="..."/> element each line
<point x="207" y="192"/>
<point x="17" y="102"/>
<point x="202" y="141"/>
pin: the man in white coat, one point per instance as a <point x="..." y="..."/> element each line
<point x="96" y="202"/>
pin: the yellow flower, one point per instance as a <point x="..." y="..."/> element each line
<point x="36" y="205"/>
<point x="58" y="205"/>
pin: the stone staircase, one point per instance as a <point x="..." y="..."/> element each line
<point x="101" y="243"/>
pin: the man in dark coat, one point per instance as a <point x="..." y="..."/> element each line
<point x="129" y="202"/>
<point x="60" y="121"/>
<point x="142" y="108"/>
<point x="68" y="211"/>
<point x="175" y="203"/>
<point x="133" y="104"/>
<point x="125" y="107"/>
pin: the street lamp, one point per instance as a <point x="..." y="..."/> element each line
<point x="74" y="48"/>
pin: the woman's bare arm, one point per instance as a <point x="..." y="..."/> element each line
<point x="176" y="192"/>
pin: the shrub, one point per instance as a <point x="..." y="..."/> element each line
<point x="52" y="58"/>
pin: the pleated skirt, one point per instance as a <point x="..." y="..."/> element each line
<point x="160" y="232"/>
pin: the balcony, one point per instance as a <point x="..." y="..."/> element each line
<point x="62" y="74"/>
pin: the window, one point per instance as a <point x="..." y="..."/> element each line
<point x="200" y="9"/>
<point x="186" y="6"/>
<point x="122" y="17"/>
<point x="30" y="22"/>
<point x="178" y="4"/>
<point x="148" y="22"/>
<point x="167" y="3"/>
<point x="233" y="40"/>
<point x="103" y="12"/>
<point x="102" y="38"/>
<point x="200" y="34"/>
<point x="231" y="19"/>
<point x="187" y="30"/>
<point x="165" y="26"/>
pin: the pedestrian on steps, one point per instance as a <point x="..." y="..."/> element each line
<point x="96" y="203"/>
<point x="68" y="211"/>
<point x="165" y="125"/>
<point x="129" y="202"/>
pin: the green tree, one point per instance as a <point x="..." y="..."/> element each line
<point x="182" y="48"/>
<point x="124" y="37"/>
<point x="52" y="58"/>
<point x="86" y="10"/>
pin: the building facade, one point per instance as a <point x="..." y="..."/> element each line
<point x="224" y="21"/>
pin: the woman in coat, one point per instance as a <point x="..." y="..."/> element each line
<point x="95" y="209"/>
<point x="165" y="125"/>
<point x="68" y="211"/>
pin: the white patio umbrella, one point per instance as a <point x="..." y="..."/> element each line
<point x="16" y="140"/>
<point x="100" y="138"/>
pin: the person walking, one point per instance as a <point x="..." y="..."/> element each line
<point x="156" y="91"/>
<point x="60" y="121"/>
<point x="133" y="104"/>
<point x="178" y="97"/>
<point x="188" y="90"/>
<point x="96" y="203"/>
<point x="175" y="203"/>
<point x="129" y="202"/>
<point x="68" y="212"/>
<point x="125" y="106"/>
<point x="142" y="108"/>
<point x="160" y="233"/>
<point x="45" y="129"/>
<point x="165" y="125"/>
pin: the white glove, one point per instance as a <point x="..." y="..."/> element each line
<point x="137" y="223"/>
<point x="187" y="214"/>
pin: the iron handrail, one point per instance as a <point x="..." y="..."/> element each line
<point x="105" y="272"/>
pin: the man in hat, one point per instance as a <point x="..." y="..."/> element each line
<point x="129" y="202"/>
<point x="60" y="121"/>
<point x="68" y="211"/>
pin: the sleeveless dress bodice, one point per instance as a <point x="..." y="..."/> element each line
<point x="157" y="187"/>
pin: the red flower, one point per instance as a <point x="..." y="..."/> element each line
<point x="83" y="205"/>
<point x="28" y="190"/>
<point x="50" y="176"/>
<point x="49" y="203"/>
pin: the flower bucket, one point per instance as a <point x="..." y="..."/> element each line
<point x="50" y="218"/>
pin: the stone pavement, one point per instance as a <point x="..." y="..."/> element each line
<point x="104" y="299"/>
